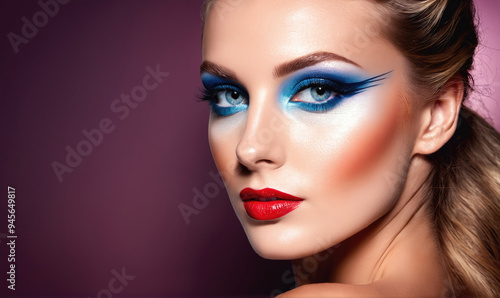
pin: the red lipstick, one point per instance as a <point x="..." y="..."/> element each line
<point x="268" y="203"/>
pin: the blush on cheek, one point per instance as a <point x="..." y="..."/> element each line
<point x="370" y="142"/>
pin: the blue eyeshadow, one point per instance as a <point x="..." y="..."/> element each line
<point x="213" y="85"/>
<point x="343" y="84"/>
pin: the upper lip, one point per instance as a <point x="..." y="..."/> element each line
<point x="267" y="193"/>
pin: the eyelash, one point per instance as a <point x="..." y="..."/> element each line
<point x="210" y="95"/>
<point x="340" y="89"/>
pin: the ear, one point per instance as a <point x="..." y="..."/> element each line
<point x="438" y="120"/>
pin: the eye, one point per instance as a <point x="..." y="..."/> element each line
<point x="228" y="97"/>
<point x="226" y="100"/>
<point x="314" y="95"/>
<point x="319" y="95"/>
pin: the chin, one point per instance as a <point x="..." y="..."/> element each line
<point x="277" y="242"/>
<point x="278" y="253"/>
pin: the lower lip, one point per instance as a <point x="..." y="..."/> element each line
<point x="271" y="209"/>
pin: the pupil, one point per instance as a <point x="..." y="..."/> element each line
<point x="320" y="90"/>
<point x="235" y="94"/>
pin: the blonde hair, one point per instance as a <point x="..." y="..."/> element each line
<point x="439" y="38"/>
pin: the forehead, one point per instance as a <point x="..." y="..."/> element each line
<point x="273" y="31"/>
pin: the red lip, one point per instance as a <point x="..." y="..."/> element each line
<point x="268" y="203"/>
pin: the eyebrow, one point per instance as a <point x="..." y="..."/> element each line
<point x="308" y="60"/>
<point x="217" y="70"/>
<point x="282" y="69"/>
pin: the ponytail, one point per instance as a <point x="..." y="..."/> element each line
<point x="465" y="206"/>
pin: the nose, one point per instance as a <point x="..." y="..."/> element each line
<point x="262" y="145"/>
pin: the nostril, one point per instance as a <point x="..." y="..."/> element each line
<point x="243" y="170"/>
<point x="246" y="170"/>
<point x="267" y="161"/>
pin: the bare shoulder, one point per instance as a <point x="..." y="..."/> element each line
<point x="381" y="288"/>
<point x="334" y="290"/>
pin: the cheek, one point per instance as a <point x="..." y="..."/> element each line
<point x="370" y="141"/>
<point x="346" y="178"/>
<point x="223" y="137"/>
<point x="357" y="143"/>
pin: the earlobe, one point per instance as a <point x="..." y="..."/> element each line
<point x="439" y="118"/>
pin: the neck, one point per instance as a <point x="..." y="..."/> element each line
<point x="380" y="248"/>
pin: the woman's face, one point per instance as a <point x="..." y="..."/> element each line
<point x="309" y="127"/>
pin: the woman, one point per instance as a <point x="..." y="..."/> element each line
<point x="340" y="130"/>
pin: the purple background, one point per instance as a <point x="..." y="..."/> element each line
<point x="119" y="206"/>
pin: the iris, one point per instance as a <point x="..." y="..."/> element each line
<point x="311" y="89"/>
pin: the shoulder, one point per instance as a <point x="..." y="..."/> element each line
<point x="335" y="290"/>
<point x="394" y="287"/>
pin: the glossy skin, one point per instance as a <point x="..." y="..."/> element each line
<point x="355" y="160"/>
